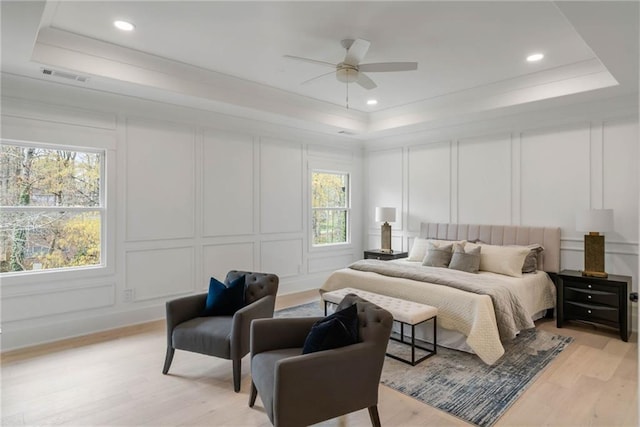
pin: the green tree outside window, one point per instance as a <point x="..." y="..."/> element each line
<point x="330" y="208"/>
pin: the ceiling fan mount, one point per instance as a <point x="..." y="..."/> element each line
<point x="346" y="43"/>
<point x="351" y="70"/>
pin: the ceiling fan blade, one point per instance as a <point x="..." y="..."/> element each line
<point x="316" y="77"/>
<point x="356" y="52"/>
<point x="388" y="66"/>
<point x="366" y="82"/>
<point x="313" y="61"/>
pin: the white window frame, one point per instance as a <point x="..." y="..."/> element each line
<point x="347" y="208"/>
<point x="102" y="209"/>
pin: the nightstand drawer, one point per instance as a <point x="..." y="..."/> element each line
<point x="578" y="310"/>
<point x="590" y="296"/>
<point x="588" y="286"/>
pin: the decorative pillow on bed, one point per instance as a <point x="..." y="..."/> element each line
<point x="507" y="260"/>
<point x="418" y="250"/>
<point x="438" y="255"/>
<point x="530" y="264"/>
<point x="465" y="258"/>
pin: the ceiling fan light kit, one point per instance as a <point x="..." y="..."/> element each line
<point x="350" y="70"/>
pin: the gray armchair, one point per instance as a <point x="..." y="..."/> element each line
<point x="299" y="390"/>
<point x="220" y="336"/>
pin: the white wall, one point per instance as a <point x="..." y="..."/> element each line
<point x="537" y="175"/>
<point x="190" y="194"/>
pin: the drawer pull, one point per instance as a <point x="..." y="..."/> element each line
<point x="589" y="296"/>
<point x="589" y="311"/>
<point x="589" y="286"/>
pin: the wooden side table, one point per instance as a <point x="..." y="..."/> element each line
<point x="603" y="301"/>
<point x="384" y="256"/>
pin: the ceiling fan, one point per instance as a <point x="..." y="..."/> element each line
<point x="351" y="70"/>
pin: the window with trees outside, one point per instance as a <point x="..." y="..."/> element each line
<point x="330" y="208"/>
<point x="52" y="207"/>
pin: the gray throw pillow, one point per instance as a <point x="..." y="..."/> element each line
<point x="468" y="260"/>
<point x="437" y="256"/>
<point x="530" y="264"/>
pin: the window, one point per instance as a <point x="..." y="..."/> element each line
<point x="52" y="207"/>
<point x="330" y="208"/>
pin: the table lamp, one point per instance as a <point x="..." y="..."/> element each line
<point x="594" y="221"/>
<point x="386" y="215"/>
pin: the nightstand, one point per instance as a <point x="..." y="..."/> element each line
<point x="597" y="300"/>
<point x="384" y="256"/>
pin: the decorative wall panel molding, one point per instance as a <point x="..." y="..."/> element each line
<point x="281" y="190"/>
<point x="57" y="301"/>
<point x="160" y="273"/>
<point x="282" y="257"/>
<point x="217" y="260"/>
<point x="429" y="182"/>
<point x="160" y="191"/>
<point x="227" y="184"/>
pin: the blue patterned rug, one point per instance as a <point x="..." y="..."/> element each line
<point x="460" y="383"/>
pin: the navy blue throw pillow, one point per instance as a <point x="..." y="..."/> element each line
<point x="224" y="300"/>
<point x="337" y="330"/>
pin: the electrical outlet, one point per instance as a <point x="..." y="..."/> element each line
<point x="128" y="295"/>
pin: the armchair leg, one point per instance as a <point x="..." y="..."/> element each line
<point x="254" y="394"/>
<point x="168" y="359"/>
<point x="373" y="414"/>
<point x="237" y="368"/>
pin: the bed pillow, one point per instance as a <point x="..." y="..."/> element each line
<point x="337" y="330"/>
<point x="438" y="255"/>
<point x="465" y="258"/>
<point x="224" y="300"/>
<point x="530" y="264"/>
<point x="418" y="250"/>
<point x="507" y="260"/>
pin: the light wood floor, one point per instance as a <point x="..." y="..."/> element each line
<point x="114" y="378"/>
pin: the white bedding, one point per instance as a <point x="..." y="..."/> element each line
<point x="468" y="313"/>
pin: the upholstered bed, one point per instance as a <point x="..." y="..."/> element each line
<point x="476" y="311"/>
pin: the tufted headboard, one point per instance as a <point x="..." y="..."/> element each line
<point x="548" y="237"/>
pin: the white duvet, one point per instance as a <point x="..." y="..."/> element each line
<point x="465" y="312"/>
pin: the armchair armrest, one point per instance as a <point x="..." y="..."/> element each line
<point x="273" y="334"/>
<point x="183" y="309"/>
<point x="329" y="394"/>
<point x="241" y="325"/>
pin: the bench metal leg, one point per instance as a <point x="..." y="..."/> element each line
<point x="414" y="346"/>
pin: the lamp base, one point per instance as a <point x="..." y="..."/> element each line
<point x="594" y="255"/>
<point x="385" y="231"/>
<point x="600" y="274"/>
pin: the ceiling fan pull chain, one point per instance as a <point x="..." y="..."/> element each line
<point x="347" y="85"/>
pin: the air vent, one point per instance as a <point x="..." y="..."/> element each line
<point x="346" y="132"/>
<point x="64" y="75"/>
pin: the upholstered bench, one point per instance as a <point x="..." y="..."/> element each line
<point x="404" y="312"/>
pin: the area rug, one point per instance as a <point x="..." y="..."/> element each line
<point x="460" y="383"/>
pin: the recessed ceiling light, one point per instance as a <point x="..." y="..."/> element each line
<point x="124" y="25"/>
<point x="535" y="57"/>
<point x="372" y="102"/>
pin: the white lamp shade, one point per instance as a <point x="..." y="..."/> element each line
<point x="385" y="214"/>
<point x="595" y="220"/>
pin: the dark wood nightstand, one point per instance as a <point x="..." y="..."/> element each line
<point x="384" y="256"/>
<point x="603" y="301"/>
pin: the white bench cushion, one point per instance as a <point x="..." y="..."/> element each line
<point x="408" y="312"/>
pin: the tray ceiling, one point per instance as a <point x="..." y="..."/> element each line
<point x="230" y="55"/>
